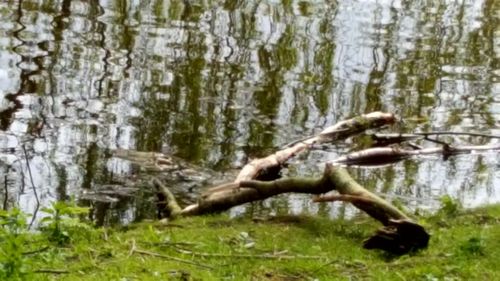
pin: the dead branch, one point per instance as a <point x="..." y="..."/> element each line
<point x="398" y="138"/>
<point x="247" y="188"/>
<point x="278" y="256"/>
<point x="389" y="155"/>
<point x="166" y="200"/>
<point x="148" y="253"/>
<point x="341" y="130"/>
<point x="51" y="271"/>
<point x="228" y="195"/>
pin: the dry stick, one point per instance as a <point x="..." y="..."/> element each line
<point x="34" y="188"/>
<point x="36" y="251"/>
<point x="424" y="134"/>
<point x="385" y="155"/>
<point x="250" y="256"/>
<point x="171" y="203"/>
<point x="52" y="271"/>
<point x="171" y="258"/>
<point x="339" y="131"/>
<point x="457" y="133"/>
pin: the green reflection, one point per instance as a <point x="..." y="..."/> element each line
<point x="217" y="83"/>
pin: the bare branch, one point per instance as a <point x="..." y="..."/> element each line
<point x="389" y="155"/>
<point x="143" y="252"/>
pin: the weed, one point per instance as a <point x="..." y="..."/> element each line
<point x="13" y="238"/>
<point x="63" y="222"/>
<point x="449" y="206"/>
<point x="473" y="246"/>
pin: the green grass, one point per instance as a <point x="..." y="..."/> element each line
<point x="465" y="245"/>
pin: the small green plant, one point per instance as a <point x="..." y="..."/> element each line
<point x="474" y="246"/>
<point x="63" y="222"/>
<point x="13" y="238"/>
<point x="450" y="206"/>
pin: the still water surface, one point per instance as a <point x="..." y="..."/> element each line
<point x="216" y="83"/>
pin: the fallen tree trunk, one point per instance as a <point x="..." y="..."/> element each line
<point x="399" y="234"/>
<point x="228" y="195"/>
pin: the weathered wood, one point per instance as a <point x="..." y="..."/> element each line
<point x="339" y="131"/>
<point x="389" y="155"/>
<point x="394" y="237"/>
<point x="225" y="196"/>
<point x="360" y="197"/>
<point x="167" y="205"/>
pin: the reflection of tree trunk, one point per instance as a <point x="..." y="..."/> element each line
<point x="26" y="85"/>
<point x="399" y="234"/>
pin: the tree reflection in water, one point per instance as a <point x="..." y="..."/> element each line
<point x="216" y="84"/>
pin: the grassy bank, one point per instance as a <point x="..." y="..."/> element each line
<point x="465" y="245"/>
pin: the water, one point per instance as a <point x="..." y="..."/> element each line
<point x="217" y="83"/>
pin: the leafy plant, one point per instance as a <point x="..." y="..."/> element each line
<point x="13" y="238"/>
<point x="450" y="206"/>
<point x="63" y="222"/>
<point x="474" y="246"/>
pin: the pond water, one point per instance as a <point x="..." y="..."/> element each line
<point x="216" y="83"/>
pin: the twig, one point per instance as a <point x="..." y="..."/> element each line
<point x="444" y="144"/>
<point x="166" y="195"/>
<point x="411" y="136"/>
<point x="250" y="256"/>
<point x="171" y="244"/>
<point x="52" y="271"/>
<point x="43" y="249"/>
<point x="34" y="188"/>
<point x="389" y="155"/>
<point x="171" y="258"/>
<point x="458" y="134"/>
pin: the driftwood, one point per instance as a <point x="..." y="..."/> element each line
<point x="228" y="195"/>
<point x="399" y="234"/>
<point x="389" y="155"/>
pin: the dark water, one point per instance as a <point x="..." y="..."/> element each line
<point x="218" y="83"/>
